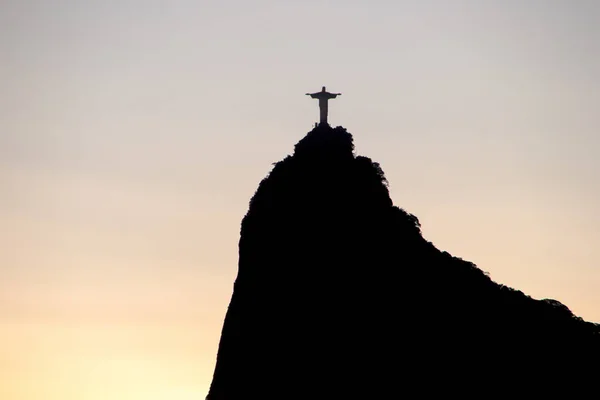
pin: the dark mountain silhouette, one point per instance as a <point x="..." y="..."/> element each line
<point x="338" y="295"/>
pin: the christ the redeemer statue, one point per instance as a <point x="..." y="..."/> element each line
<point x="323" y="97"/>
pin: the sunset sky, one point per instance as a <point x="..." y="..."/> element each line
<point x="133" y="134"/>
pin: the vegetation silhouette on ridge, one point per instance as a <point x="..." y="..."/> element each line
<point x="339" y="294"/>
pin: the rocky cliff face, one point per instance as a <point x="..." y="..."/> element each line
<point x="339" y="295"/>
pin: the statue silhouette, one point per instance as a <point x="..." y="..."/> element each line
<point x="323" y="97"/>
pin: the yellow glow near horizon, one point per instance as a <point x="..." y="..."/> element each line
<point x="83" y="361"/>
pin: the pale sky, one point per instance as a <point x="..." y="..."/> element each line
<point x="133" y="133"/>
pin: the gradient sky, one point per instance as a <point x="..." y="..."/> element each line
<point x="134" y="132"/>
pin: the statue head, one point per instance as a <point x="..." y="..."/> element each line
<point x="323" y="90"/>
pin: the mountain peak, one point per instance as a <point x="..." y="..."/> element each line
<point x="325" y="141"/>
<point x="339" y="295"/>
